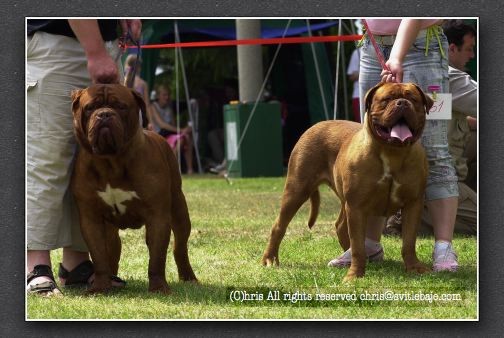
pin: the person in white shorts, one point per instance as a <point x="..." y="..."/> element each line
<point x="62" y="55"/>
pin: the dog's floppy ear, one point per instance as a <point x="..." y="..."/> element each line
<point x="140" y="102"/>
<point x="369" y="96"/>
<point x="76" y="94"/>
<point x="78" y="120"/>
<point x="428" y="102"/>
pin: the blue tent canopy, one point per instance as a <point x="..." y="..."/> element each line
<point x="229" y="33"/>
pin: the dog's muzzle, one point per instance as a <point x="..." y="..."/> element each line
<point x="400" y="125"/>
<point x="105" y="134"/>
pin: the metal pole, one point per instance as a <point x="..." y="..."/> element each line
<point x="177" y="96"/>
<point x="259" y="95"/>
<point x="336" y="80"/>
<point x="317" y="70"/>
<point x="343" y="69"/>
<point x="250" y="66"/>
<point x="188" y="100"/>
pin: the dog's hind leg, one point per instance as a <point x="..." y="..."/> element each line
<point x="181" y="231"/>
<point x="293" y="198"/>
<point x="342" y="229"/>
<point x="314" y="207"/>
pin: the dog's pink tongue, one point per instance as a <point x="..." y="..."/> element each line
<point x="401" y="131"/>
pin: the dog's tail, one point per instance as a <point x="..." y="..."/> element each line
<point x="314" y="207"/>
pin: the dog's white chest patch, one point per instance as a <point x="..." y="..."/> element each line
<point x="386" y="170"/>
<point x="388" y="176"/>
<point x="115" y="198"/>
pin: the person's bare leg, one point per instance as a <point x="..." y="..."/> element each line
<point x="375" y="228"/>
<point x="443" y="213"/>
<point x="372" y="244"/>
<point x="187" y="145"/>
<point x="72" y="258"/>
<point x="34" y="258"/>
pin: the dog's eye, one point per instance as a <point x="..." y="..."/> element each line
<point x="88" y="110"/>
<point x="122" y="106"/>
<point x="385" y="101"/>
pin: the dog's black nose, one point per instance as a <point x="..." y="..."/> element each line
<point x="104" y="114"/>
<point x="401" y="102"/>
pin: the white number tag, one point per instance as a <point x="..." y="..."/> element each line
<point x="442" y="108"/>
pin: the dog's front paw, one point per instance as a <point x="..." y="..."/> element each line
<point x="100" y="285"/>
<point x="270" y="260"/>
<point x="353" y="274"/>
<point x="160" y="286"/>
<point x="417" y="267"/>
<point x="187" y="275"/>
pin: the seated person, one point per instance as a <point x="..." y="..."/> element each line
<point x="163" y="122"/>
<point x="139" y="84"/>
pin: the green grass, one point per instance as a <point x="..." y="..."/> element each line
<point x="230" y="229"/>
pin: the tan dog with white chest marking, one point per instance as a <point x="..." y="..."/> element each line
<point x="375" y="169"/>
<point x="125" y="177"/>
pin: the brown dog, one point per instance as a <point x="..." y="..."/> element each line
<point x="126" y="177"/>
<point x="375" y="170"/>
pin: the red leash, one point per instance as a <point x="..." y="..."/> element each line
<point x="379" y="53"/>
<point x="263" y="41"/>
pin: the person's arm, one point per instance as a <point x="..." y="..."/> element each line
<point x="160" y="122"/>
<point x="464" y="92"/>
<point x="148" y="106"/>
<point x="145" y="93"/>
<point x="472" y="122"/>
<point x="353" y="66"/>
<point x="101" y="66"/>
<point x="353" y="76"/>
<point x="406" y="35"/>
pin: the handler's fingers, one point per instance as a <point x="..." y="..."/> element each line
<point x="134" y="26"/>
<point x="385" y="75"/>
<point x="385" y="72"/>
<point x="399" y="77"/>
<point x="124" y="26"/>
<point x="388" y="78"/>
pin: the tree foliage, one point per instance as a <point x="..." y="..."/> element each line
<point x="204" y="67"/>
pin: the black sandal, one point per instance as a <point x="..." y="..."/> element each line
<point x="80" y="275"/>
<point x="44" y="287"/>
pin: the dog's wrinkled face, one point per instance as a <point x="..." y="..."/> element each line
<point x="106" y="117"/>
<point x="396" y="112"/>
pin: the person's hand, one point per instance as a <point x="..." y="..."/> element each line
<point x="134" y="25"/>
<point x="101" y="66"/>
<point x="395" y="72"/>
<point x="102" y="69"/>
<point x="472" y="122"/>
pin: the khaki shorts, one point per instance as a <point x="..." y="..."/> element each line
<point x="55" y="65"/>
